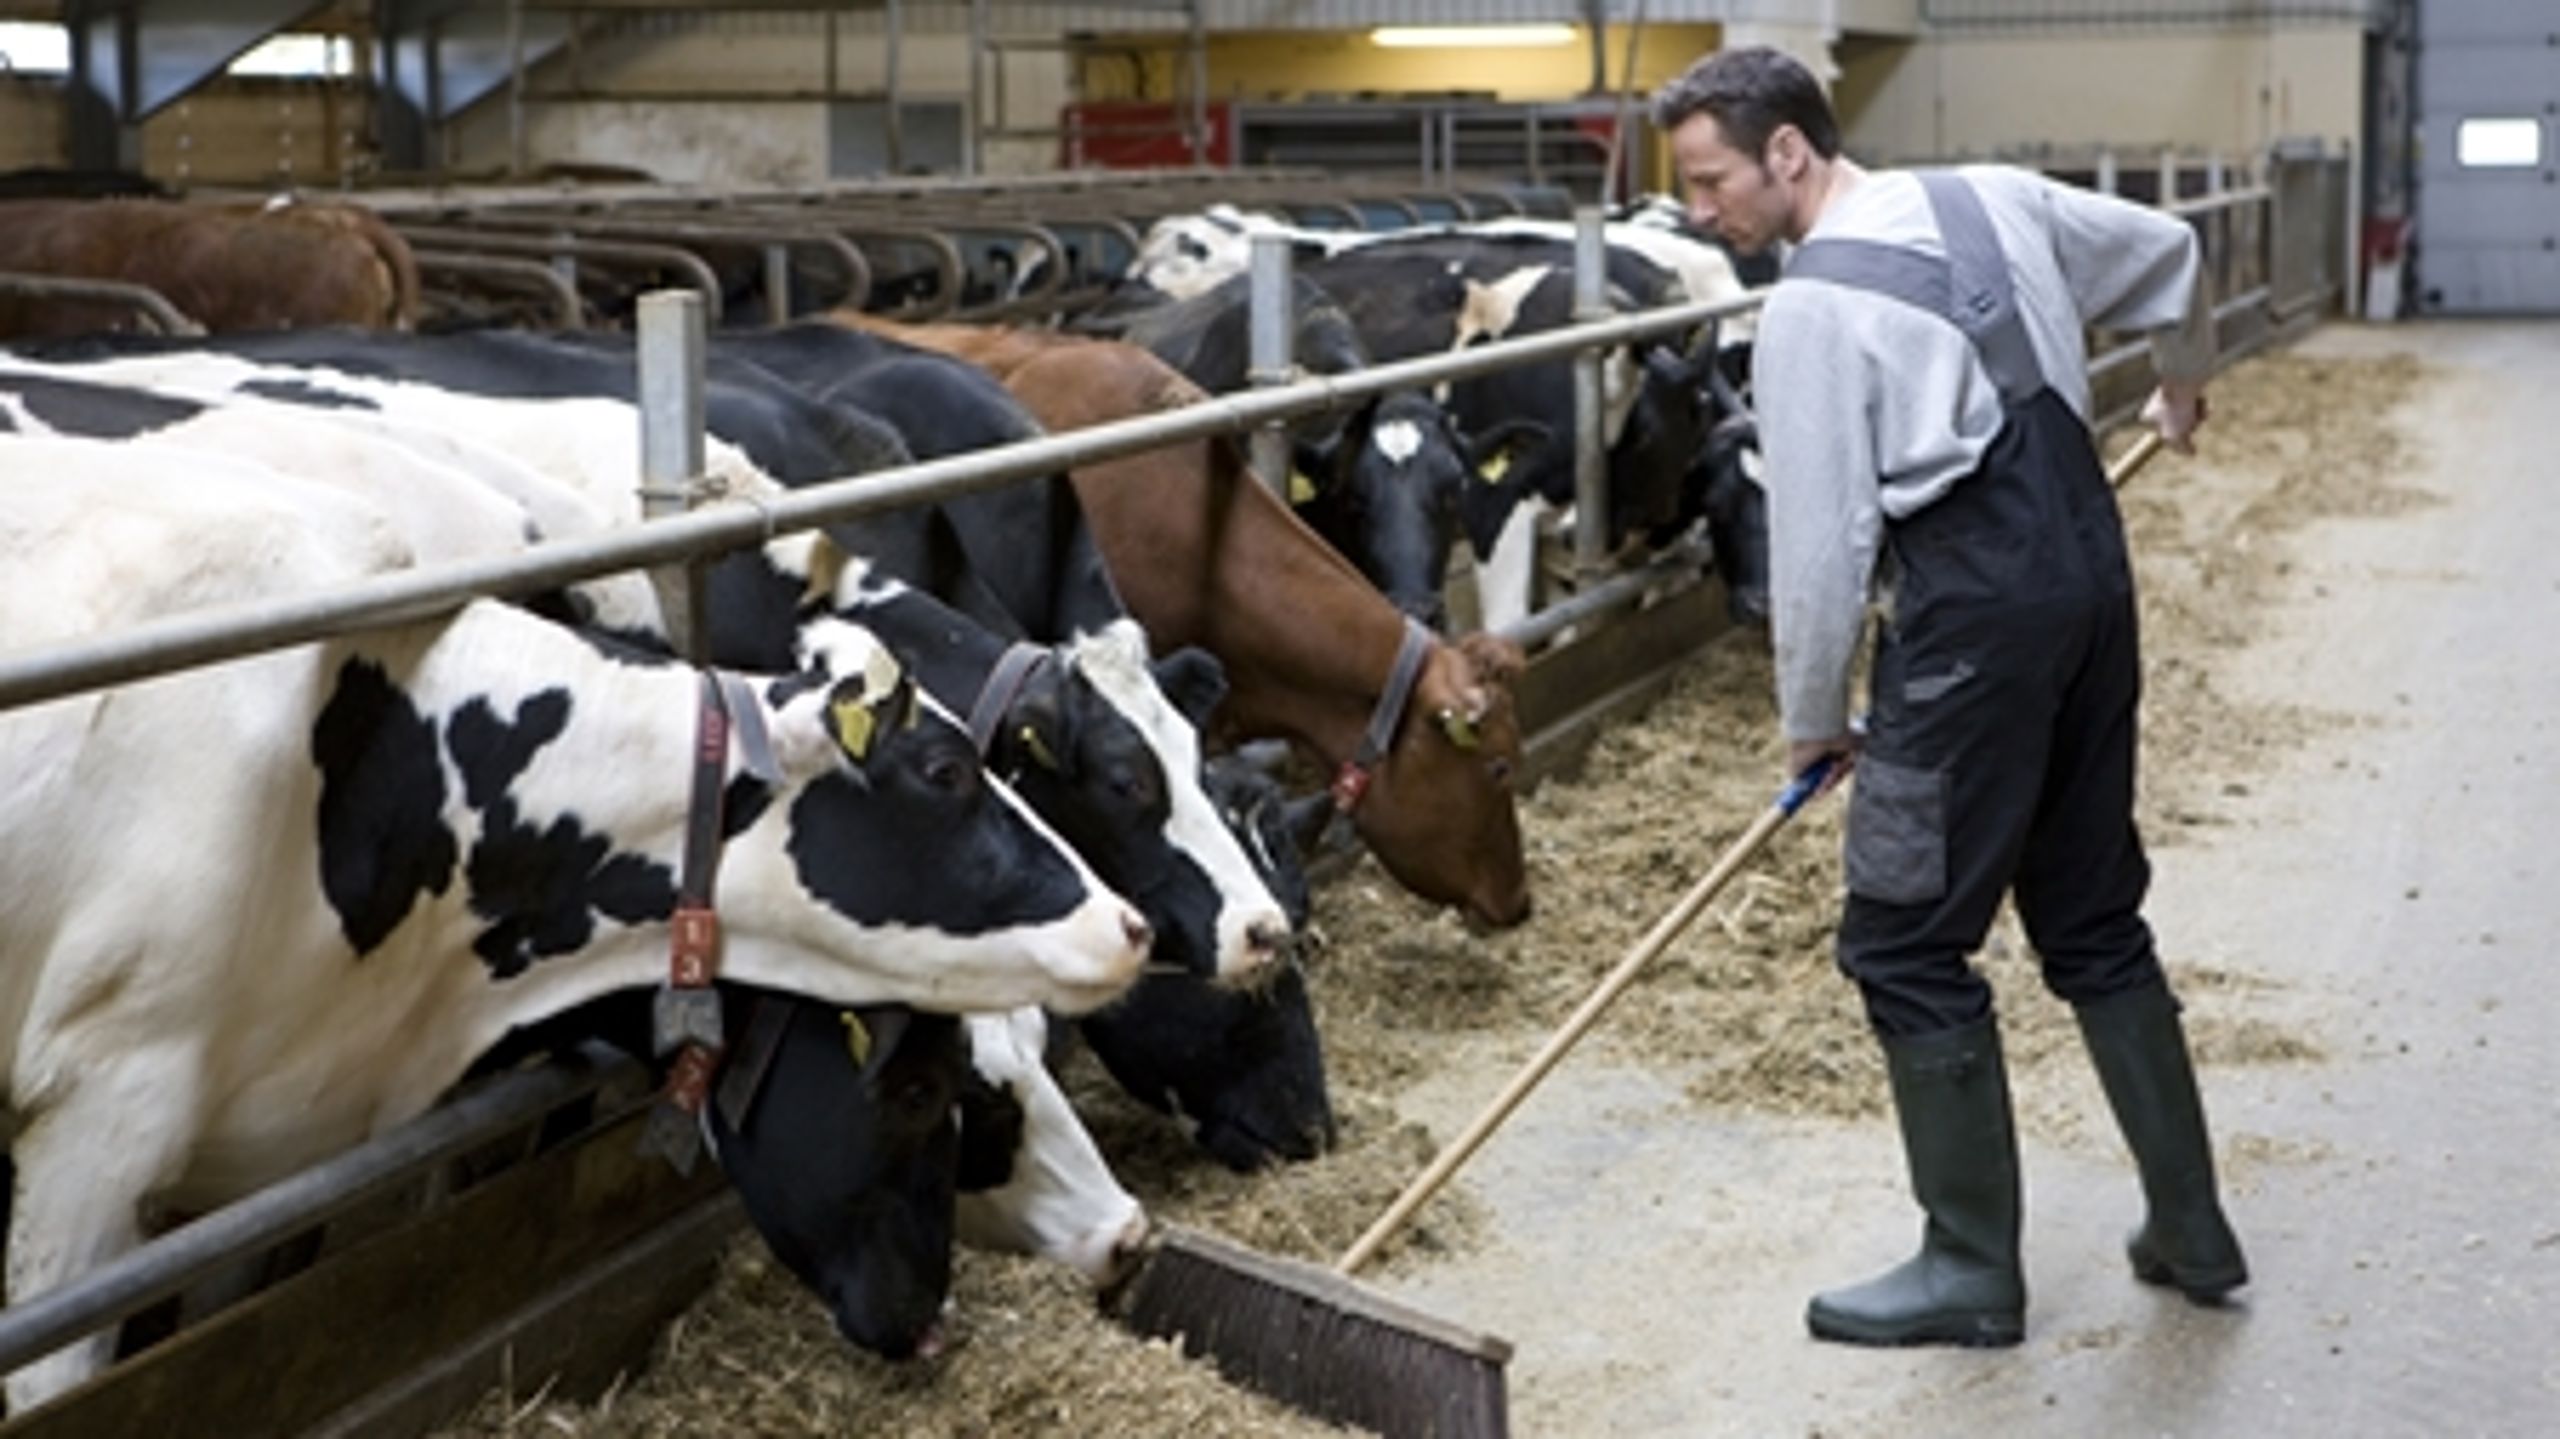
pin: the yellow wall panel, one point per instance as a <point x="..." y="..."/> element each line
<point x="1300" y="65"/>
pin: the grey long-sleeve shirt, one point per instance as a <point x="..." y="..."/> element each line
<point x="1870" y="409"/>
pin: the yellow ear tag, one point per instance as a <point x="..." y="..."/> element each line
<point x="1039" y="752"/>
<point x="857" y="1038"/>
<point x="915" y="709"/>
<point x="1301" y="489"/>
<point x="854" y="723"/>
<point x="1494" y="469"/>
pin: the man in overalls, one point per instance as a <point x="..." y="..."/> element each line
<point x="1923" y="398"/>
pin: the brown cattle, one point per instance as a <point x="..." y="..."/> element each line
<point x="279" y="266"/>
<point x="1204" y="556"/>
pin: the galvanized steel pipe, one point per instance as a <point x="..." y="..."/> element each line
<point x="1269" y="355"/>
<point x="207" y="636"/>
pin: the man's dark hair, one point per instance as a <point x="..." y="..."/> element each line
<point x="1751" y="92"/>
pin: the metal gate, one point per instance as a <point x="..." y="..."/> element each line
<point x="2488" y="191"/>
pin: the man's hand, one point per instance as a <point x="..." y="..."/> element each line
<point x="2176" y="410"/>
<point x="1843" y="750"/>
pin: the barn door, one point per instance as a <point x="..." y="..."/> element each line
<point x="2488" y="192"/>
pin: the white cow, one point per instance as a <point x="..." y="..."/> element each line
<point x="260" y="911"/>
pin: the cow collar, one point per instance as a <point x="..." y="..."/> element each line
<point x="687" y="1014"/>
<point x="1351" y="781"/>
<point x="1014" y="669"/>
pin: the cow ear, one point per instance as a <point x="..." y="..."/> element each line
<point x="1194" y="681"/>
<point x="1495" y="660"/>
<point x="872" y="1034"/>
<point x="863" y="709"/>
<point x="1490" y="451"/>
<point x="1040" y="725"/>
<point x="1303" y="819"/>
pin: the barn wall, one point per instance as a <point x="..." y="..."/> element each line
<point x="2234" y="91"/>
<point x="30" y="122"/>
<point x="746" y="97"/>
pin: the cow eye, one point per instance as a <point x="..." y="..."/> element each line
<point x="919" y="1099"/>
<point x="947" y="773"/>
<point x="1499" y="770"/>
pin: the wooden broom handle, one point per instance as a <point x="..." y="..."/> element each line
<point x="1663" y="932"/>
<point x="2144" y="447"/>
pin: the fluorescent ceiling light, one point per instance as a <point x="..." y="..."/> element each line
<point x="298" y="56"/>
<point x="2498" y="144"/>
<point x="1460" y="37"/>
<point x="34" y="47"/>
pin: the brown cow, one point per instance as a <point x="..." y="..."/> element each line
<point x="1204" y="556"/>
<point x="278" y="266"/>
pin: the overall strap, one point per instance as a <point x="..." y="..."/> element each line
<point x="1986" y="301"/>
<point x="1969" y="287"/>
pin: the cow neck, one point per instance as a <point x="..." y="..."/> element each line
<point x="1351" y="780"/>
<point x="687" y="1015"/>
<point x="1314" y="628"/>
<point x="1014" y="669"/>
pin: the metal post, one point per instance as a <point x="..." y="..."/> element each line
<point x="970" y="157"/>
<point x="1198" y="56"/>
<point x="893" y="120"/>
<point x="1590" y="453"/>
<point x="2168" y="178"/>
<point x="671" y="377"/>
<point x="777" y="283"/>
<point x="2213" y="173"/>
<point x="2106" y="172"/>
<point x="515" y="88"/>
<point x="1270" y="357"/>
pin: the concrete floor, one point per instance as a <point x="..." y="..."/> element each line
<point x="2399" y="1199"/>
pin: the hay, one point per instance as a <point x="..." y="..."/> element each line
<point x="1745" y="1009"/>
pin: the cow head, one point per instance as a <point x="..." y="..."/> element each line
<point x="1440" y="814"/>
<point x="1727" y="487"/>
<point x="845" y="1160"/>
<point x="1032" y="1180"/>
<point x="953" y="919"/>
<point x="1107" y="748"/>
<point x="1245" y="1067"/>
<point x="1661" y="441"/>
<point x="1389" y="487"/>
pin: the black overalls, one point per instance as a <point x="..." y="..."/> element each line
<point x="2000" y="740"/>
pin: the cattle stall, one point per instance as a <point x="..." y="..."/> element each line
<point x="410" y="1214"/>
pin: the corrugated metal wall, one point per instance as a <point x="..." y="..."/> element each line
<point x="2093" y="13"/>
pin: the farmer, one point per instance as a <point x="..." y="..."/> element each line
<point x="1923" y="402"/>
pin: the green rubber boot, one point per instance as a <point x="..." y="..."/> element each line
<point x="2140" y="1051"/>
<point x="1965" y="1286"/>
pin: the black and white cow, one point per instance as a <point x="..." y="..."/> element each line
<point x="1678" y="450"/>
<point x="366" y="860"/>
<point x="1381" y="482"/>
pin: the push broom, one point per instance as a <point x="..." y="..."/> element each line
<point x="1319" y="1341"/>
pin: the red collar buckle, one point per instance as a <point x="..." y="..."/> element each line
<point x="689" y="1078"/>
<point x="1350" y="785"/>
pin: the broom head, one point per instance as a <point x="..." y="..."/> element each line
<point x="1317" y="1341"/>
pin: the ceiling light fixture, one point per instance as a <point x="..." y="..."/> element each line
<point x="1466" y="37"/>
